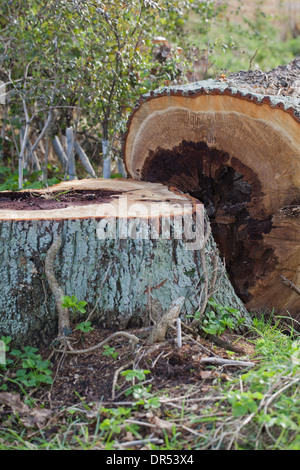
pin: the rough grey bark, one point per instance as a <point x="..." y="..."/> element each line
<point x="165" y="267"/>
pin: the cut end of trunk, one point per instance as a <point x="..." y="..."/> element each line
<point x="97" y="198"/>
<point x="239" y="153"/>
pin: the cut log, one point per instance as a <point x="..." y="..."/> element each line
<point x="234" y="144"/>
<point x="128" y="248"/>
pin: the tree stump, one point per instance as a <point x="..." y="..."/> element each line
<point x="127" y="248"/>
<point x="234" y="144"/>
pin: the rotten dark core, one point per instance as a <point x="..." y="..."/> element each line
<point x="226" y="187"/>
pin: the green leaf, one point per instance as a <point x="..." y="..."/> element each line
<point x="136" y="373"/>
<point x="239" y="409"/>
<point x="16" y="352"/>
<point x="28" y="363"/>
<point x="21" y="373"/>
<point x="42" y="365"/>
<point x="80" y="306"/>
<point x="45" y="379"/>
<point x="85" y="327"/>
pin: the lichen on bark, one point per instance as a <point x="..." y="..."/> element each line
<point x="143" y="272"/>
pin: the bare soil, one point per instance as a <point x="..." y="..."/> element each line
<point x="93" y="376"/>
<point x="90" y="386"/>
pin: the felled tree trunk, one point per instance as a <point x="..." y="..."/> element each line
<point x="127" y="248"/>
<point x="234" y="144"/>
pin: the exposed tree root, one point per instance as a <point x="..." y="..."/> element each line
<point x="134" y="339"/>
<point x="63" y="314"/>
<point x="159" y="331"/>
<point x="64" y="326"/>
<point x="222" y="343"/>
<point x="156" y="333"/>
<point x="218" y="361"/>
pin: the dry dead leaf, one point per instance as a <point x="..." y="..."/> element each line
<point x="36" y="418"/>
<point x="29" y="417"/>
<point x="13" y="400"/>
<point x="129" y="436"/>
<point x="205" y="374"/>
<point x="162" y="425"/>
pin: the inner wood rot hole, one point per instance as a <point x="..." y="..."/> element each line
<point x="221" y="183"/>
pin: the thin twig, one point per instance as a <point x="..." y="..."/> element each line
<point x="251" y="60"/>
<point x="129" y="336"/>
<point x="206" y="350"/>
<point x="46" y="125"/>
<point x="290" y="284"/>
<point x="214" y="276"/>
<point x="281" y="390"/>
<point x="115" y="379"/>
<point x="140" y="423"/>
<point x="218" y="361"/>
<point x="154" y="440"/>
<point x="206" y="289"/>
<point x="157" y="359"/>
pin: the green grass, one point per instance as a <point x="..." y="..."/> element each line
<point x="256" y="409"/>
<point x="237" y="45"/>
<point x="9" y="180"/>
<point x="265" y="404"/>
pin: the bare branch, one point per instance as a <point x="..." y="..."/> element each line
<point x="219" y="361"/>
<point x="290" y="284"/>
